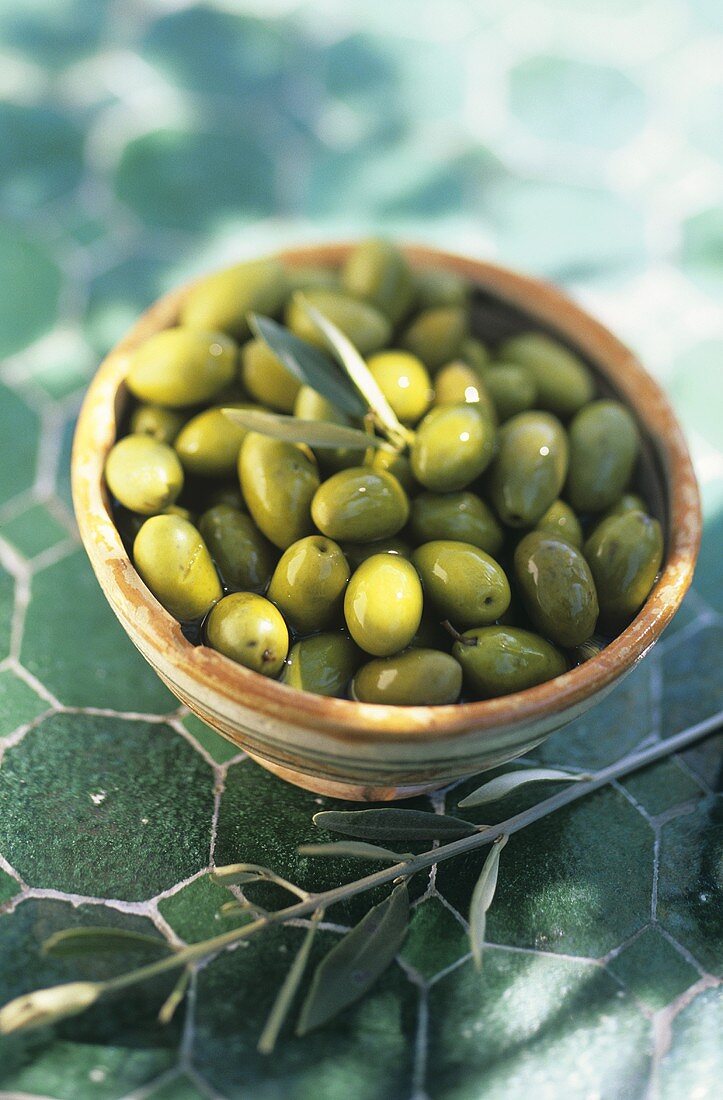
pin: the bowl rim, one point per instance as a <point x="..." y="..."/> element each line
<point x="345" y="719"/>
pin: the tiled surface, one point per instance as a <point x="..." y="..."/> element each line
<point x="142" y="140"/>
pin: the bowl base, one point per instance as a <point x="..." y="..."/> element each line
<point x="352" y="792"/>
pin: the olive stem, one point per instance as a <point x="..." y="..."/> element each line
<point x="461" y="638"/>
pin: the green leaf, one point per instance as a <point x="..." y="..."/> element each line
<point x="310" y="365"/>
<point x="174" y="998"/>
<point x="96" y="940"/>
<point x="502" y="785"/>
<point x="355" y="963"/>
<point x="285" y="996"/>
<point x="315" y="433"/>
<point x="482" y="896"/>
<point x="396" y="826"/>
<point x="240" y="874"/>
<point x="357" y="849"/>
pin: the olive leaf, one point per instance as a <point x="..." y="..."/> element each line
<point x="357" y="849"/>
<point x="502" y="785"/>
<point x="94" y="940"/>
<point x="309" y="364"/>
<point x="285" y="996"/>
<point x="174" y="998"/>
<point x="394" y="825"/>
<point x="355" y="963"/>
<point x="242" y="874"/>
<point x="315" y="433"/>
<point x="482" y="896"/>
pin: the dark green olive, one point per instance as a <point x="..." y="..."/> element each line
<point x="245" y="559"/>
<point x="452" y="446"/>
<point x="530" y="468"/>
<point x="603" y="448"/>
<point x="399" y="466"/>
<point x="144" y="475"/>
<point x="174" y="562"/>
<point x="324" y="664"/>
<point x="357" y="552"/>
<point x="415" y="678"/>
<point x="625" y="553"/>
<point x="436" y="287"/>
<point x="431" y="634"/>
<point x="162" y="424"/>
<point x="474" y="352"/>
<point x="628" y="502"/>
<point x="250" y="630"/>
<point x="225" y="299"/>
<point x="308" y="584"/>
<point x="512" y="389"/>
<point x="557" y="588"/>
<point x="383" y="604"/>
<point x="462" y="517"/>
<point x="209" y="444"/>
<point x="404" y="381"/>
<point x="499" y="660"/>
<point x="464" y="584"/>
<point x="560" y="520"/>
<point x="179" y="367"/>
<point x="227" y="494"/>
<point x="564" y="384"/>
<point x="365" y="326"/>
<point x="435" y="335"/>
<point x="457" y="383"/>
<point x="278" y="481"/>
<point x="360" y="505"/>
<point x="378" y="272"/>
<point x="265" y="377"/>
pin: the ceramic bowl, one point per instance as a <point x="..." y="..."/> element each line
<point x="371" y="752"/>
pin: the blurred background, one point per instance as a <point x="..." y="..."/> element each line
<point x="144" y="140"/>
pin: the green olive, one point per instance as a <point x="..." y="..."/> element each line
<point x="225" y="299"/>
<point x="360" y="505"/>
<point x="512" y="389"/>
<point x="453" y="445"/>
<point x="227" y="494"/>
<point x="431" y="634"/>
<point x="309" y="277"/>
<point x="144" y="475"/>
<point x="308" y="584"/>
<point x="464" y="584"/>
<point x="437" y="287"/>
<point x="357" y="552"/>
<point x="473" y="352"/>
<point x="179" y="367"/>
<point x="557" y="588"/>
<point x="209" y="444"/>
<point x="398" y="465"/>
<point x="265" y="377"/>
<point x="310" y="405"/>
<point x="278" y="481"/>
<point x="250" y="630"/>
<point x="625" y="553"/>
<point x="564" y="384"/>
<point x="628" y="502"/>
<point x="604" y="444"/>
<point x="435" y="335"/>
<point x="365" y="326"/>
<point x="179" y="510"/>
<point x="162" y="424"/>
<point x="404" y="381"/>
<point x="457" y="384"/>
<point x="379" y="273"/>
<point x="324" y="664"/>
<point x="560" y="520"/>
<point x="245" y="559"/>
<point x="415" y="678"/>
<point x="174" y="562"/>
<point x="462" y="517"/>
<point x="499" y="660"/>
<point x="383" y="604"/>
<point x="530" y="468"/>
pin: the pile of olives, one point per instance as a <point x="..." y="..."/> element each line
<point x="496" y="551"/>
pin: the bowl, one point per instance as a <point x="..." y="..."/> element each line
<point x="369" y="752"/>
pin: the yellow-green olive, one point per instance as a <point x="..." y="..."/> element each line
<point x="435" y="335"/>
<point x="323" y="663"/>
<point x="309" y="277"/>
<point x="174" y="562"/>
<point x="225" y="299"/>
<point x="383" y="604"/>
<point x="162" y="424"/>
<point x="628" y="502"/>
<point x="209" y="444"/>
<point x="265" y="377"/>
<point x="404" y="381"/>
<point x="244" y="558"/>
<point x="512" y="389"/>
<point x="603" y="448"/>
<point x="435" y="287"/>
<point x="452" y="446"/>
<point x="457" y="384"/>
<point x="415" y="678"/>
<point x="564" y="384"/>
<point x="378" y="272"/>
<point x="179" y="510"/>
<point x="310" y="405"/>
<point x="462" y="517"/>
<point x="398" y="465"/>
<point x="250" y="630"/>
<point x="499" y="660"/>
<point x="179" y="367"/>
<point x="625" y="553"/>
<point x="365" y="326"/>
<point x="278" y="481"/>
<point x="464" y="584"/>
<point x="557" y="588"/>
<point x="560" y="520"/>
<point x="357" y="552"/>
<point x="144" y="475"/>
<point x="473" y="352"/>
<point x="360" y="505"/>
<point x="530" y="468"/>
<point x="308" y="584"/>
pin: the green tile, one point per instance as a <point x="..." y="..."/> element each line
<point x="705" y="760"/>
<point x="41" y="154"/>
<point x="119" y="293"/>
<point x="366" y="1054"/>
<point x="191" y="912"/>
<point x="697" y="389"/>
<point x="652" y="970"/>
<point x="66" y="367"/>
<point x="178" y="1088"/>
<point x="53" y="34"/>
<point x="7" y="600"/>
<point x="690" y="882"/>
<point x="33" y="531"/>
<point x="694" y="1062"/>
<point x="62" y="485"/>
<point x="709" y="571"/>
<point x="661" y="786"/>
<point x="21" y="424"/>
<point x="105" y="807"/>
<point x="435" y="940"/>
<point x="9" y="887"/>
<point x="534" y="1025"/>
<point x="67" y="609"/>
<point x="692" y="686"/>
<point x="31" y="284"/>
<point x="218" y="748"/>
<point x="578" y="882"/>
<point x="18" y="703"/>
<point x="702" y="248"/>
<point x="687" y="613"/>
<point x="82" y="1071"/>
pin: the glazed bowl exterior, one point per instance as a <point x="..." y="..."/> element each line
<point x="370" y="752"/>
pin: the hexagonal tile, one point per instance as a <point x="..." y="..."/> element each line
<point x="9" y="887"/>
<point x="105" y="807"/>
<point x="178" y="1088"/>
<point x="435" y="939"/>
<point x="191" y="912"/>
<point x="692" y="687"/>
<point x="7" y="601"/>
<point x="31" y="282"/>
<point x="21" y="424"/>
<point x="118" y="294"/>
<point x="661" y="786"/>
<point x="218" y="748"/>
<point x="703" y="247"/>
<point x="705" y="760"/>
<point x="653" y="970"/>
<point x="40" y="154"/>
<point x="33" y="530"/>
<point x="54" y="33"/>
<point x="694" y="1060"/>
<point x="18" y="703"/>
